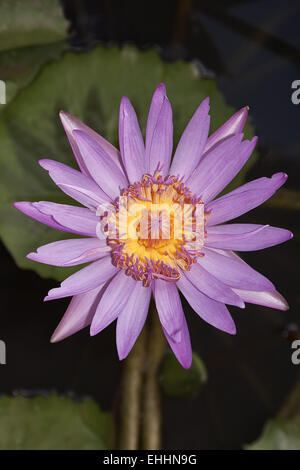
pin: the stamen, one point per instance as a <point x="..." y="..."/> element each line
<point x="157" y="257"/>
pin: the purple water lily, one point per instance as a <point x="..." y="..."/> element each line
<point x="125" y="271"/>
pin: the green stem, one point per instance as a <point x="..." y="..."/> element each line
<point x="151" y="427"/>
<point x="132" y="394"/>
<point x="291" y="407"/>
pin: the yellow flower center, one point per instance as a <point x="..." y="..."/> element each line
<point x="157" y="229"/>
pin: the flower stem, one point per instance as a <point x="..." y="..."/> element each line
<point x="132" y="394"/>
<point x="151" y="426"/>
<point x="291" y="407"/>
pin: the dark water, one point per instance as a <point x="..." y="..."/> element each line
<point x="253" y="47"/>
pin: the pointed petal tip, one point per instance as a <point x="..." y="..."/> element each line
<point x="45" y="163"/>
<point x="66" y="115"/>
<point x="243" y="113"/>
<point x="289" y="234"/>
<point x="204" y="106"/>
<point x="59" y="335"/>
<point x="68" y="120"/>
<point x="185" y="361"/>
<point x="271" y="299"/>
<point x="124" y="103"/>
<point x="122" y="354"/>
<point x="186" y="365"/>
<point x="63" y="114"/>
<point x="161" y="87"/>
<point x="281" y="173"/>
<point x="279" y="177"/>
<point x="55" y="338"/>
<point x="51" y="294"/>
<point x="19" y="205"/>
<point x="93" y="330"/>
<point x="285" y="306"/>
<point x="230" y="329"/>
<point x="126" y="108"/>
<point x="282" y="303"/>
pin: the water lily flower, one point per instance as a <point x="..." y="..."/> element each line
<point x="124" y="271"/>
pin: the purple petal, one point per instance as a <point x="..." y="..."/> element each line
<point x="212" y="286"/>
<point x="30" y="210"/>
<point x="275" y="182"/>
<point x="113" y="301"/>
<point x="182" y="350"/>
<point x="132" y="318"/>
<point x="192" y="142"/>
<point x="131" y="142"/>
<point x="243" y="199"/>
<point x="213" y="312"/>
<point x="159" y="133"/>
<point x="105" y="172"/>
<point x="267" y="299"/>
<point x="169" y="307"/>
<point x="154" y="112"/>
<point x="234" y="272"/>
<point x="71" y="252"/>
<point x="72" y="123"/>
<point x="94" y="275"/>
<point x="79" y="219"/>
<point x="245" y="237"/>
<point x="79" y="314"/>
<point x="233" y="126"/>
<point x="77" y="185"/>
<point x="219" y="167"/>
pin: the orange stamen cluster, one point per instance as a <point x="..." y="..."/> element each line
<point x="153" y="241"/>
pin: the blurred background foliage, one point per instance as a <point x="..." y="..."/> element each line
<point x="82" y="56"/>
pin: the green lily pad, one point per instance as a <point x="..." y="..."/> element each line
<point x="90" y="86"/>
<point x="53" y="423"/>
<point x="31" y="22"/>
<point x="19" y="66"/>
<point x="179" y="382"/>
<point x="279" y="434"/>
